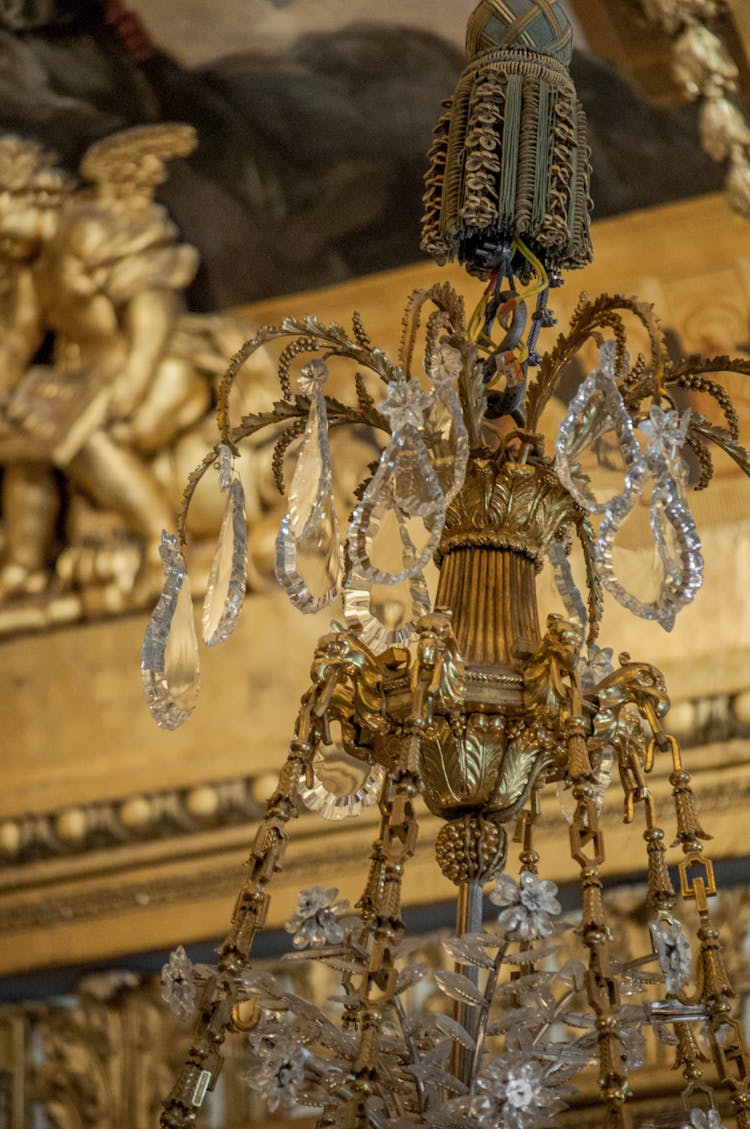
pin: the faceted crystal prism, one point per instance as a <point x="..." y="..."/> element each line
<point x="169" y="656"/>
<point x="407" y="475"/>
<point x="310" y="568"/>
<point x="227" y="579"/>
<point x="311" y="480"/>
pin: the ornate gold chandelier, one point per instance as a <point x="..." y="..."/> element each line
<point x="466" y="700"/>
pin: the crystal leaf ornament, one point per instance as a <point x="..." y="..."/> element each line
<point x="170" y="667"/>
<point x="227" y="580"/>
<point x="598" y="455"/>
<point x="311" y="481"/>
<point x="445" y="430"/>
<point x="677" y="544"/>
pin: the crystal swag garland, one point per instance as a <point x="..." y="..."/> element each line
<point x="466" y="700"/>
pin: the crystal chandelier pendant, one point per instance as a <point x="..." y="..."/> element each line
<point x="311" y="480"/>
<point x="309" y="564"/>
<point x="599" y="459"/>
<point x="445" y="430"/>
<point x="374" y="529"/>
<point x="374" y="633"/>
<point x="170" y="667"/>
<point x="676" y="540"/>
<point x="404" y="489"/>
<point x="351" y="793"/>
<point x="310" y="568"/>
<point x="568" y="590"/>
<point x="227" y="580"/>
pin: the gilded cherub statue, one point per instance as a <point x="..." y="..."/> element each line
<point x="101" y="367"/>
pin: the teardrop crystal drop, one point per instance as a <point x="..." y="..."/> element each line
<point x="310" y="568"/>
<point x="391" y="625"/>
<point x="599" y="458"/>
<point x="409" y="476"/>
<point x="378" y="525"/>
<point x="311" y="479"/>
<point x="227" y="579"/>
<point x="170" y="667"/>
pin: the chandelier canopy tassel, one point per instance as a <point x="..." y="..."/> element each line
<point x="510" y="159"/>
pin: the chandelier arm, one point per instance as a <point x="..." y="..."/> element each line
<point x="410" y="324"/>
<point x="701" y="427"/>
<point x="588" y="320"/>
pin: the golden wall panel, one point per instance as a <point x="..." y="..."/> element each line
<point x="116" y="836"/>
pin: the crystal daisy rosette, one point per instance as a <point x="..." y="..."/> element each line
<point x="528" y="906"/>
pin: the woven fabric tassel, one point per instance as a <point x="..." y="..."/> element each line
<point x="510" y="159"/>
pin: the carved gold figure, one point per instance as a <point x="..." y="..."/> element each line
<point x="101" y="368"/>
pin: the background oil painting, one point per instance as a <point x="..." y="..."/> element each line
<point x="313" y="120"/>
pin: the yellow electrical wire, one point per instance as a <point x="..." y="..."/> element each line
<point x="478" y="319"/>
